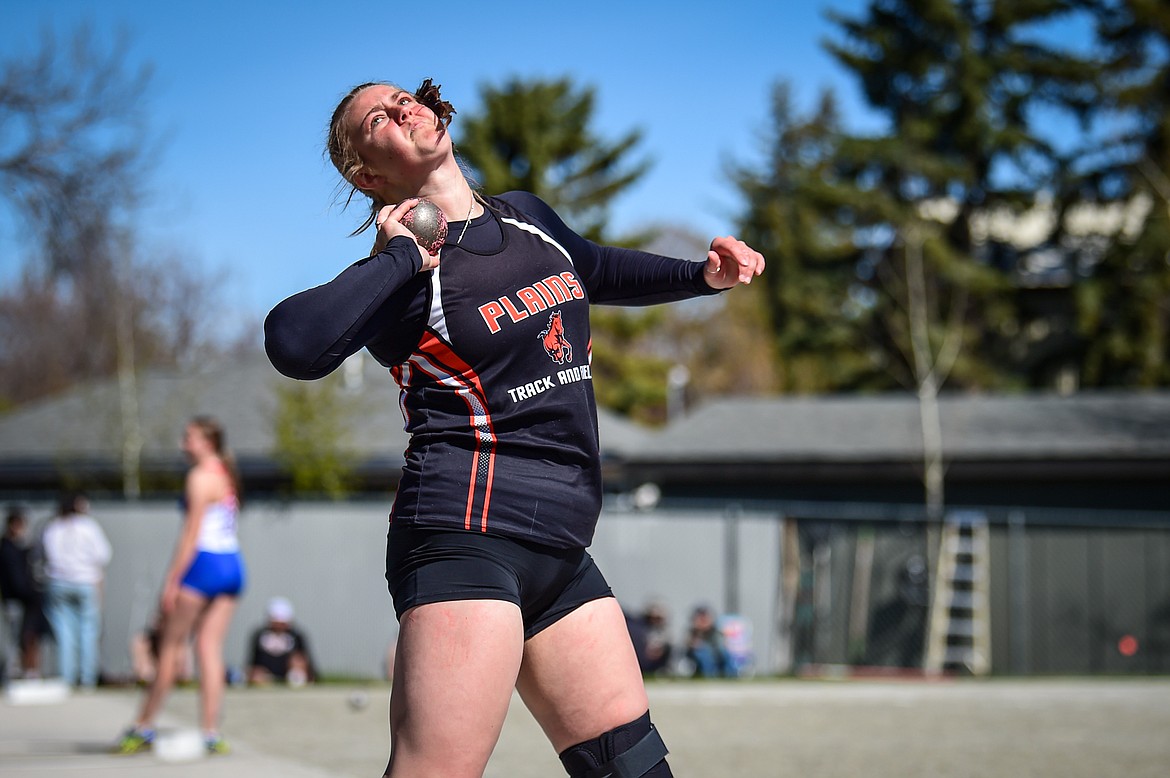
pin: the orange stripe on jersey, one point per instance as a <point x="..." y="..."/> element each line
<point x="455" y="371"/>
<point x="487" y="490"/>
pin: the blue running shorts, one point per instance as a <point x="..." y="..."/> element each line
<point x="214" y="574"/>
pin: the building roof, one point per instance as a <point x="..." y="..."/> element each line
<point x="79" y="431"/>
<point x="82" y="427"/>
<point x="855" y="428"/>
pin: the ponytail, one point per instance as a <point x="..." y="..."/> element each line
<point x="214" y="432"/>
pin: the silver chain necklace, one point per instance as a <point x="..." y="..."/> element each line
<point x="466" y="221"/>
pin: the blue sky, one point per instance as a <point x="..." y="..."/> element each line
<point x="242" y="91"/>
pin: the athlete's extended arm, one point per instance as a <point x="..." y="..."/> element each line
<point x="311" y="333"/>
<point x="620" y="276"/>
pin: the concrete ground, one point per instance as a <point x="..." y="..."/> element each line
<point x="1089" y="728"/>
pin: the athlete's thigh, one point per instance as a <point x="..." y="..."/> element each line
<point x="180" y="622"/>
<point x="215" y="622"/>
<point x="454" y="671"/>
<point x="580" y="676"/>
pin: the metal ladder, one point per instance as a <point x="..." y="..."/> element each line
<point x="959" y="636"/>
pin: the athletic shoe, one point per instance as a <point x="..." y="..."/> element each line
<point x="215" y="744"/>
<point x="134" y="741"/>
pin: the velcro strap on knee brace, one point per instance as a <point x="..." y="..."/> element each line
<point x="634" y="762"/>
<point x="644" y="754"/>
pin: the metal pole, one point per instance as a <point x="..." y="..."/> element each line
<point x="1020" y="598"/>
<point x="731" y="559"/>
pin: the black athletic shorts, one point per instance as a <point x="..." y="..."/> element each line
<point x="437" y="565"/>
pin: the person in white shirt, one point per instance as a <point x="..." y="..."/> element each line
<point x="76" y="553"/>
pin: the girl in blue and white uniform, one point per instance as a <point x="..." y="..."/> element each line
<point x="202" y="585"/>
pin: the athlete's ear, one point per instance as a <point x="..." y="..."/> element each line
<point x="365" y="180"/>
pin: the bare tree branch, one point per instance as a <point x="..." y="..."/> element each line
<point x="76" y="151"/>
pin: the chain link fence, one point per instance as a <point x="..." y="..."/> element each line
<point x="1069" y="592"/>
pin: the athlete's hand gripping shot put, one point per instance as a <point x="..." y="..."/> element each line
<point x="487" y="336"/>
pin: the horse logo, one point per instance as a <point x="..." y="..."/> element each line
<point x="556" y="345"/>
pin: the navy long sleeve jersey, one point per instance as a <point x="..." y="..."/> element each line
<point x="491" y="352"/>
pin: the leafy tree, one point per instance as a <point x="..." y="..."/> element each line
<point x="535" y="136"/>
<point x="652" y="362"/>
<point x="75" y="156"/>
<point x="883" y="269"/>
<point x="958" y="82"/>
<point x="75" y="152"/>
<point x="311" y="426"/>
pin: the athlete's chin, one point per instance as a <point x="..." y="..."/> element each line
<point x="438" y="135"/>
<point x="431" y="149"/>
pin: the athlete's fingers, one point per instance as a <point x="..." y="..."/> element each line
<point x="395" y="212"/>
<point x="388" y="222"/>
<point x="722" y="271"/>
<point x="732" y="261"/>
<point x="382" y="215"/>
<point x="399" y="210"/>
<point x="750" y="262"/>
<point x="714" y="270"/>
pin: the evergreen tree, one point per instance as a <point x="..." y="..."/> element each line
<point x="626" y="377"/>
<point x="958" y="83"/>
<point x="797" y="217"/>
<point x="535" y="136"/>
<point x="1124" y="308"/>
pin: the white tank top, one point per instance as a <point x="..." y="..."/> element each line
<point x="218" y="530"/>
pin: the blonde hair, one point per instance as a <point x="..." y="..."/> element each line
<point x="339" y="144"/>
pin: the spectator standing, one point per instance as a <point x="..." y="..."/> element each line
<point x="76" y="553"/>
<point x="24" y="616"/>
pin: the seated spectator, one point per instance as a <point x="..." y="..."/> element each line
<point x="144" y="648"/>
<point x="651" y="640"/>
<point x="279" y="651"/>
<point x="705" y="647"/>
<point x="737" y="642"/>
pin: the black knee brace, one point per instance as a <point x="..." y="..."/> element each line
<point x="630" y="751"/>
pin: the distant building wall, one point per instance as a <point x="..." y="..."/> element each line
<point x="1065" y="590"/>
<point x="329" y="560"/>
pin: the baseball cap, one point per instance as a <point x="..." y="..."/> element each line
<point x="280" y="609"/>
